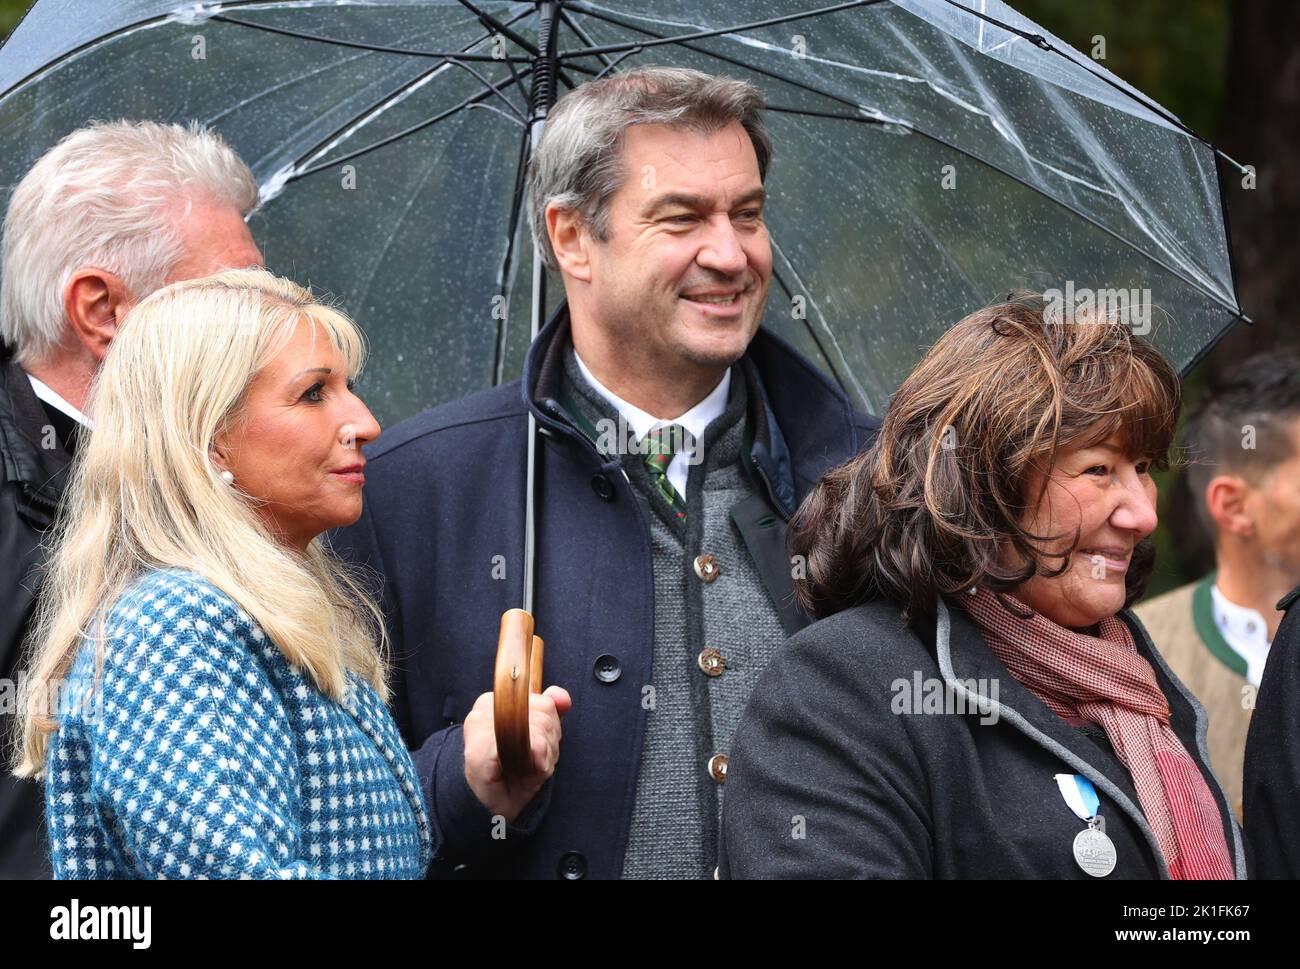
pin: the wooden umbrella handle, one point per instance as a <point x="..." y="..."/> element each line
<point x="518" y="673"/>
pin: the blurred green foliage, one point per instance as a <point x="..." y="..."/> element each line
<point x="1174" y="51"/>
<point x="11" y="11"/>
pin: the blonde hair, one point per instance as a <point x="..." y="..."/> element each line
<point x="144" y="493"/>
<point x="106" y="196"/>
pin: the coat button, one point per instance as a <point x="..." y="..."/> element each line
<point x="602" y="486"/>
<point x="710" y="660"/>
<point x="573" y="865"/>
<point x="718" y="767"/>
<point x="706" y="568"/>
<point x="607" y="668"/>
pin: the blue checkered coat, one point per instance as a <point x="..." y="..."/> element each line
<point x="204" y="754"/>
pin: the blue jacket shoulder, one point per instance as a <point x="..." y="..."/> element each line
<point x="497" y="403"/>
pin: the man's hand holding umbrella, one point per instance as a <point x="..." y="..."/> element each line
<point x="483" y="770"/>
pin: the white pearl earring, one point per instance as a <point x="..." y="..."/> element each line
<point x="228" y="477"/>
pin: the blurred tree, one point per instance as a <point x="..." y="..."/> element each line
<point x="1171" y="50"/>
<point x="11" y="11"/>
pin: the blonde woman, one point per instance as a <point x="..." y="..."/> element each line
<point x="213" y="686"/>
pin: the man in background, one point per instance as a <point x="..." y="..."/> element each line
<point x="108" y="215"/>
<point x="1243" y="441"/>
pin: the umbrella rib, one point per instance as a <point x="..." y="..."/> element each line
<point x="507" y="262"/>
<point x="493" y="88"/>
<point x="384" y="142"/>
<point x="725" y="59"/>
<point x="103" y="39"/>
<point x="583" y="36"/>
<point x="494" y="25"/>
<point x="1016" y="178"/>
<point x="511" y="66"/>
<point x="1041" y="42"/>
<point x="789" y="293"/>
<point x="361" y="45"/>
<point x="618" y="60"/>
<point x="698" y="35"/>
<point x="386" y="99"/>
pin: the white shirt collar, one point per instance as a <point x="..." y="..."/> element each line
<point x="55" y="400"/>
<point x="694" y="420"/>
<point x="1245" y="630"/>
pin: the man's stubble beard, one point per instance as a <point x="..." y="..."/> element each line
<point x="700" y="359"/>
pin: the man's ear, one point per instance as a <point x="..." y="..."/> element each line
<point x="94" y="301"/>
<point x="570" y="239"/>
<point x="1226" y="498"/>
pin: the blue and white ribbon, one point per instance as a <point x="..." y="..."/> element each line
<point x="1079" y="794"/>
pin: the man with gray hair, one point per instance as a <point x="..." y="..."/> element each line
<point x="677" y="438"/>
<point x="111" y="213"/>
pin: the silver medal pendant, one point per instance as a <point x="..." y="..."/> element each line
<point x="1093" y="849"/>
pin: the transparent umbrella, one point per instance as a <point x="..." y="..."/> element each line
<point x="930" y="155"/>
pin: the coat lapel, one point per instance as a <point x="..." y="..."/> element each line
<point x="764" y="534"/>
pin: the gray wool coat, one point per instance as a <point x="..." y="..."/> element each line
<point x="837" y="771"/>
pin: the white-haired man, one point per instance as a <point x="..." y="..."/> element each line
<point x="111" y="213"/>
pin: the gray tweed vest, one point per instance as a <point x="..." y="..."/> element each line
<point x="691" y="715"/>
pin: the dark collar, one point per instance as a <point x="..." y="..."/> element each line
<point x="39" y="472"/>
<point x="807" y="423"/>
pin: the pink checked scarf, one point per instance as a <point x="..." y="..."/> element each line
<point x="1103" y="680"/>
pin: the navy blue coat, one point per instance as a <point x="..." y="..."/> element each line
<point x="443" y="524"/>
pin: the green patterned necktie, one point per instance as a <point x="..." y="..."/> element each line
<point x="659" y="446"/>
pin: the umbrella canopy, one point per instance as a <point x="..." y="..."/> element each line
<point x="930" y="156"/>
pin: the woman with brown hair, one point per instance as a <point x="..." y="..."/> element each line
<point x="976" y="701"/>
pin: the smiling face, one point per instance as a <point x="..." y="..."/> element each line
<point x="1110" y="498"/>
<point x="295" y="446"/>
<point x="683" y="276"/>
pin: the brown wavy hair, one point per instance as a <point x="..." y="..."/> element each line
<point x="929" y="508"/>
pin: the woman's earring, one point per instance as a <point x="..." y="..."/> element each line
<point x="228" y="477"/>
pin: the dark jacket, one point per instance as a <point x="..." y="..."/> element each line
<point x="1272" y="771"/>
<point x="29" y="497"/>
<point x="444" y="523"/>
<point x="826" y="780"/>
